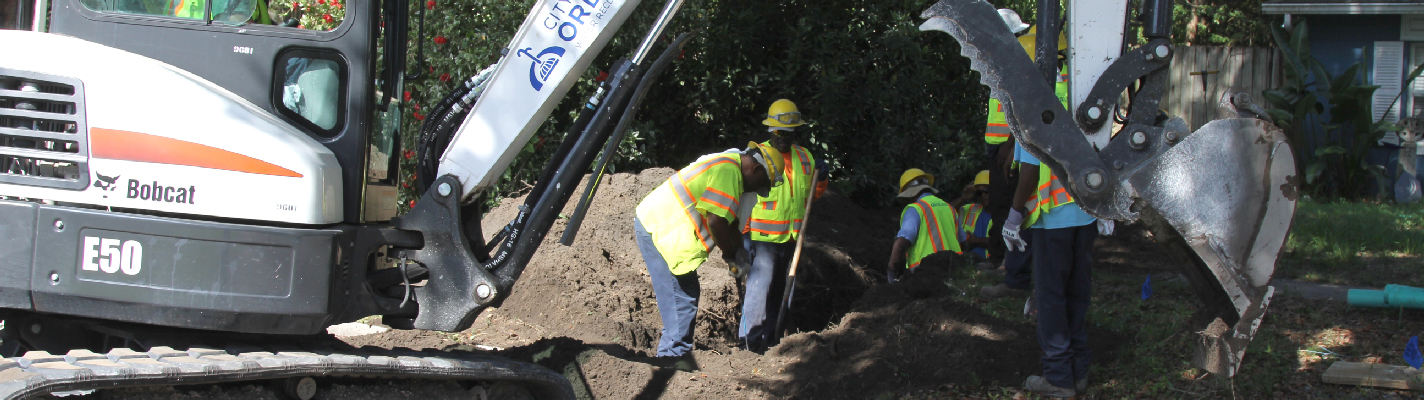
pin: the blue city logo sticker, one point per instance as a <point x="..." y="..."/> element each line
<point x="543" y="64"/>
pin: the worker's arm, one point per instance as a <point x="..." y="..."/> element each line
<point x="1028" y="179"/>
<point x="897" y="258"/>
<point x="965" y="196"/>
<point x="727" y="237"/>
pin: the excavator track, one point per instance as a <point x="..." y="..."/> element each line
<point x="38" y="372"/>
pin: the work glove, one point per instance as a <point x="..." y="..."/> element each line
<point x="1011" y="232"/>
<point x="740" y="265"/>
<point x="892" y="274"/>
<point x="1105" y="227"/>
<point x="821" y="166"/>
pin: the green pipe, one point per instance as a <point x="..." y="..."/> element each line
<point x="1394" y="296"/>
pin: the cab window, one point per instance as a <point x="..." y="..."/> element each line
<point x="322" y="15"/>
<point x="310" y="89"/>
<point x="231" y="12"/>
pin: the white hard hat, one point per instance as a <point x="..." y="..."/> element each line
<point x="1012" y="20"/>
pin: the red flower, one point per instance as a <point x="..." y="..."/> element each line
<point x="408" y="154"/>
<point x="430" y="5"/>
<point x="419" y="117"/>
<point x="405" y="184"/>
<point x="296" y="5"/>
<point x="440" y="40"/>
<point x="601" y="76"/>
<point x="416" y="106"/>
<point x="432" y="69"/>
<point x="300" y="26"/>
<point x="444" y="77"/>
<point x="407" y="95"/>
<point x="320" y="1"/>
<point x="326" y="17"/>
<point x="335" y="3"/>
<point x="412" y="204"/>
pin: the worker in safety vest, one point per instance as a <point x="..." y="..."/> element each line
<point x="775" y="223"/>
<point x="678" y="223"/>
<point x="1018" y="271"/>
<point x="974" y="223"/>
<point x="1060" y="245"/>
<point x="927" y="225"/>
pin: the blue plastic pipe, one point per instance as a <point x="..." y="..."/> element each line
<point x="1393" y="296"/>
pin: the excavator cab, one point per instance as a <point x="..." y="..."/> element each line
<point x="322" y="82"/>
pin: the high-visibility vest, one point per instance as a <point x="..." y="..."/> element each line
<point x="937" y="230"/>
<point x="777" y="217"/>
<point x="675" y="212"/>
<point x="1051" y="194"/>
<point x="969" y="218"/>
<point x="192" y="9"/>
<point x="997" y="130"/>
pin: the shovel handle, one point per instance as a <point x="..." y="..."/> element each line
<point x="796" y="257"/>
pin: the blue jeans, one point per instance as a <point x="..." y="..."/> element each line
<point x="766" y="283"/>
<point x="676" y="295"/>
<point x="1062" y="269"/>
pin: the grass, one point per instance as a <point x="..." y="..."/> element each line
<point x="1361" y="244"/>
<point x="1355" y="243"/>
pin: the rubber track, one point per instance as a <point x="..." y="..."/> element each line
<point x="39" y="372"/>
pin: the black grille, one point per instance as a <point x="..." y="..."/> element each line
<point x="43" y="137"/>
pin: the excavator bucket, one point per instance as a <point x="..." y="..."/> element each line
<point x="1221" y="199"/>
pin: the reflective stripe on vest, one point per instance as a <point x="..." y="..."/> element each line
<point x="778" y="218"/>
<point x="1051" y="194"/>
<point x="970" y="218"/>
<point x="670" y="214"/>
<point x="937" y="230"/>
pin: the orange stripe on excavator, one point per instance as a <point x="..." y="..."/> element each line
<point x="115" y="144"/>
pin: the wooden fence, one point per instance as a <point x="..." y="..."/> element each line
<point x="1199" y="75"/>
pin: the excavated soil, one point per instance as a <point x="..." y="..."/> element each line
<point x="588" y="311"/>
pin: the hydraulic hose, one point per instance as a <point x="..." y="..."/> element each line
<point x="629" y="114"/>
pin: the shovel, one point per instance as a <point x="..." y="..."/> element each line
<point x="796" y="257"/>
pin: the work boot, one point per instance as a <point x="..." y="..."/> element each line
<point x="681" y="363"/>
<point x="999" y="290"/>
<point x="1040" y="386"/>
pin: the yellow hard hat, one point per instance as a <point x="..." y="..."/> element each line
<point x="770" y="158"/>
<point x="782" y="114"/>
<point x="914" y="178"/>
<point x="1029" y="41"/>
<point x="982" y="178"/>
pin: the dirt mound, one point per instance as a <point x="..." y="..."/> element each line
<point x="588" y="312"/>
<point x="598" y="289"/>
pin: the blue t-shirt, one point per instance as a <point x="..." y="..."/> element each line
<point x="1064" y="216"/>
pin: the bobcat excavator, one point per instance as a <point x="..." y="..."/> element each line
<point x="180" y="172"/>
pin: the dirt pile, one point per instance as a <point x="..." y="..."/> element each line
<point x="598" y="289"/>
<point x="588" y="311"/>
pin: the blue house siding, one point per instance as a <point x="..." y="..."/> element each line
<point x="1338" y="42"/>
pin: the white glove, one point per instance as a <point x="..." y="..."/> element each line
<point x="1011" y="232"/>
<point x="1105" y="227"/>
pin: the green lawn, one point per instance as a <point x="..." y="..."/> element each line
<point x="1355" y="243"/>
<point x="1343" y="243"/>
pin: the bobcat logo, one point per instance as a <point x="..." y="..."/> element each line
<point x="106" y="182"/>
